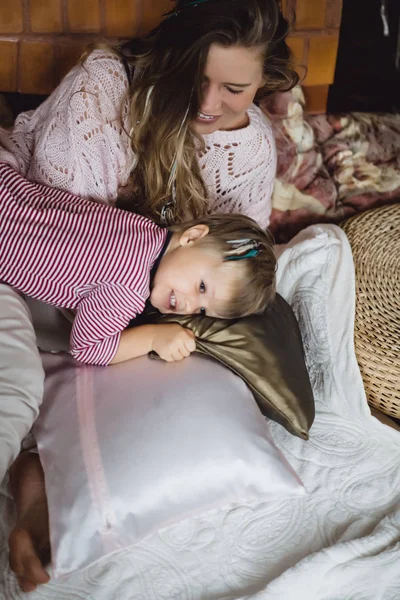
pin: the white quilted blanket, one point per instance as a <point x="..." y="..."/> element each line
<point x="340" y="542"/>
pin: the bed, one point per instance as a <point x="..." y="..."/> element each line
<point x="340" y="540"/>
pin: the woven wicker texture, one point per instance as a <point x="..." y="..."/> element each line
<point x="375" y="240"/>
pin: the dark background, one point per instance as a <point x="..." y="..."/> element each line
<point x="367" y="76"/>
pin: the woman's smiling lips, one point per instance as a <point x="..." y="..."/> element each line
<point x="208" y="119"/>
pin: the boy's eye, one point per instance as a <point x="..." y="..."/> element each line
<point x="202" y="291"/>
<point x="234" y="91"/>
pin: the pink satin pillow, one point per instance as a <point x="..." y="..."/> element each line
<point x="132" y="448"/>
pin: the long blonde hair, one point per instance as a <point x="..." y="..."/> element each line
<point x="168" y="67"/>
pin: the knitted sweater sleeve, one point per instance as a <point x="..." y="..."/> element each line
<point x="239" y="169"/>
<point x="77" y="140"/>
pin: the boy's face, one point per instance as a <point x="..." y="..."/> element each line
<point x="190" y="281"/>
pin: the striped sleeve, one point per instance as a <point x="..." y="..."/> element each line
<point x="101" y="317"/>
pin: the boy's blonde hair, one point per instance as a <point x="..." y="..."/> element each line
<point x="243" y="245"/>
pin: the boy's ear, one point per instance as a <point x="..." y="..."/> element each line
<point x="193" y="234"/>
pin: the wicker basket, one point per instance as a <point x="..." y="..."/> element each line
<point x="374" y="237"/>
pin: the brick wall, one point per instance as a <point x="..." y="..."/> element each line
<point x="41" y="39"/>
<point x="314" y="42"/>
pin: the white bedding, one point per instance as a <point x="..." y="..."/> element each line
<point x="340" y="542"/>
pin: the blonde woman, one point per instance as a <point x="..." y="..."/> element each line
<point x="165" y="126"/>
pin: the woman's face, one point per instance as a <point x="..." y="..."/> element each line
<point x="232" y="77"/>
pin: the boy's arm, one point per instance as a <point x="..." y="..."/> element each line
<point x="134" y="342"/>
<point x="99" y="336"/>
<point x="170" y="341"/>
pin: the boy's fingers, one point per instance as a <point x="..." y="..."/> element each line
<point x="185" y="351"/>
<point x="167" y="355"/>
<point x="190" y="343"/>
<point x="189" y="347"/>
<point x="176" y="354"/>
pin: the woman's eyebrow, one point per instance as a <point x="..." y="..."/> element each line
<point x="242" y="85"/>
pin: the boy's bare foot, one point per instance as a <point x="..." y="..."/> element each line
<point x="25" y="561"/>
<point x="29" y="542"/>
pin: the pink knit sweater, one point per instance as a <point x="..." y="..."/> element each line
<point x="76" y="141"/>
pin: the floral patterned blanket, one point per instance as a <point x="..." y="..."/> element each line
<point x="330" y="167"/>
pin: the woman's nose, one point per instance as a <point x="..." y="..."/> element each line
<point x="211" y="101"/>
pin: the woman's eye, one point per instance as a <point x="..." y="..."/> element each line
<point x="234" y="91"/>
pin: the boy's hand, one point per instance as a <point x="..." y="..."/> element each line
<point x="173" y="342"/>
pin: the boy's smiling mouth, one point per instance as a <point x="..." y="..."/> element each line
<point x="172" y="300"/>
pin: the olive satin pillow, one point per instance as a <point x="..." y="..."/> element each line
<point x="266" y="351"/>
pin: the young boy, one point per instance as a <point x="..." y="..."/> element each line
<point x="105" y="263"/>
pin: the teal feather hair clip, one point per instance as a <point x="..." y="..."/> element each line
<point x="248" y="254"/>
<point x="242" y="249"/>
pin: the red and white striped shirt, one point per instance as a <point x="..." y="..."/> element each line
<point x="75" y="253"/>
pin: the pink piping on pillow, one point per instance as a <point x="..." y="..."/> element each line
<point x="92" y="459"/>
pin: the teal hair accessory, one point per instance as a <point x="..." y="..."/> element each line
<point x="250" y="248"/>
<point x="249" y="254"/>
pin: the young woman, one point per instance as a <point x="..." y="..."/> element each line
<point x="164" y="126"/>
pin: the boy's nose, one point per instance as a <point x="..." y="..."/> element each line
<point x="190" y="305"/>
